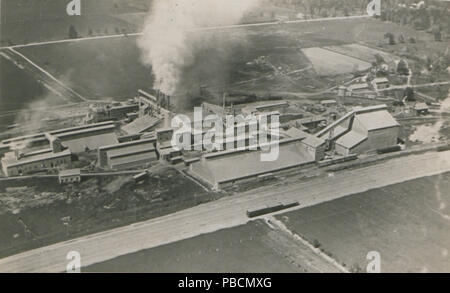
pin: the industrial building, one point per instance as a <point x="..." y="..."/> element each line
<point x="152" y="111"/>
<point x="381" y="82"/>
<point x="141" y="125"/>
<point x="82" y="140"/>
<point x="116" y="112"/>
<point x="314" y="145"/>
<point x="78" y="139"/>
<point x="362" y="130"/>
<point x="128" y="154"/>
<point x="280" y="107"/>
<point x="69" y="176"/>
<point x="16" y="163"/>
<point x="223" y="168"/>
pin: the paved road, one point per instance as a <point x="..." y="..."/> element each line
<point x="224" y="213"/>
<point x="197" y="29"/>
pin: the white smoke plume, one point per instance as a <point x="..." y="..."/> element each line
<point x="168" y="44"/>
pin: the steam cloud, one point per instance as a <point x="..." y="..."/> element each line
<point x="168" y="44"/>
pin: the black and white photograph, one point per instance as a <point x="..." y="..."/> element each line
<point x="224" y="136"/>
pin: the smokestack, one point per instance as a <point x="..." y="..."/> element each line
<point x="167" y="44"/>
<point x="168" y="102"/>
<point x="224" y="100"/>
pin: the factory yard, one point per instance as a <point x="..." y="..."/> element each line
<point x="407" y="223"/>
<point x="355" y="110"/>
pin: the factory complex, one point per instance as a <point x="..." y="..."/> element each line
<point x="140" y="134"/>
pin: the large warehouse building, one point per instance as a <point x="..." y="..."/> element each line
<point x="17" y="163"/>
<point x="222" y="168"/>
<point x="128" y="154"/>
<point x="78" y="139"/>
<point x="363" y="130"/>
<point x="53" y="150"/>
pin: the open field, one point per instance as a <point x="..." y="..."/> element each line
<point x="95" y="69"/>
<point x="39" y="20"/>
<point x="326" y="62"/>
<point x="227" y="63"/>
<point x="17" y="87"/>
<point x="253" y="247"/>
<point x="236" y="250"/>
<point x="32" y="210"/>
<point x="20" y="90"/>
<point x="412" y="235"/>
<point x="362" y="52"/>
<point x="234" y="61"/>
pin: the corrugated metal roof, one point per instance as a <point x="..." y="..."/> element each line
<point x="141" y="124"/>
<point x="140" y="158"/>
<point x="70" y="172"/>
<point x="356" y="111"/>
<point x="377" y="120"/>
<point x="11" y="161"/>
<point x="351" y="139"/>
<point x="127" y="144"/>
<point x="79" y="145"/>
<point x="88" y="131"/>
<point x="237" y="165"/>
<point x="131" y="149"/>
<point x="308" y="138"/>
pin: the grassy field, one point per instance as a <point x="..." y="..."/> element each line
<point x="407" y="223"/>
<point x="40" y="20"/>
<point x="247" y="60"/>
<point x="235" y="250"/>
<point x="362" y="52"/>
<point x="19" y="90"/>
<point x="326" y="62"/>
<point x="32" y="211"/>
<point x="96" y="69"/>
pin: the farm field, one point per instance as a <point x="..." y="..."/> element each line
<point x="33" y="211"/>
<point x="413" y="235"/>
<point x="247" y="60"/>
<point x="39" y="20"/>
<point x="254" y="247"/>
<point x="19" y="90"/>
<point x="89" y="69"/>
<point x="216" y="66"/>
<point x="362" y="52"/>
<point x="326" y="62"/>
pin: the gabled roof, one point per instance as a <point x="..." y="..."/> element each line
<point x="369" y="121"/>
<point x="351" y="139"/>
<point x="377" y="120"/>
<point x="307" y="138"/>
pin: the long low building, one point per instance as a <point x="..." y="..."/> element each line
<point x="78" y="139"/>
<point x="222" y="168"/>
<point x="363" y="130"/>
<point x="82" y="140"/>
<point x="128" y="154"/>
<point x="16" y="163"/>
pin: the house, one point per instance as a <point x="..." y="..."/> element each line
<point x="381" y="82"/>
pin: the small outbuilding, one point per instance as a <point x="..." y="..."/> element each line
<point x="69" y="176"/>
<point x="421" y="108"/>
